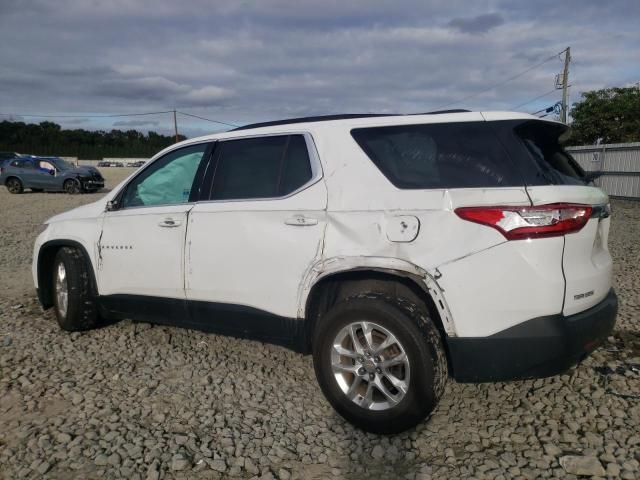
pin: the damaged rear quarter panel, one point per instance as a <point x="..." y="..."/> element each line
<point x="357" y="229"/>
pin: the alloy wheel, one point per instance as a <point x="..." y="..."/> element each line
<point x="13" y="186"/>
<point x="370" y="365"/>
<point x="71" y="187"/>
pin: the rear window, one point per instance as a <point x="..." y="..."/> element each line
<point x="446" y="155"/>
<point x="546" y="161"/>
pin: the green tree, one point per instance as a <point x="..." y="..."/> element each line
<point x="611" y="114"/>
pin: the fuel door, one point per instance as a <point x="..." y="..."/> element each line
<point x="402" y="228"/>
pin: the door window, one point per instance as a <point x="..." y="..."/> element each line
<point x="46" y="167"/>
<point x="168" y="181"/>
<point x="261" y="167"/>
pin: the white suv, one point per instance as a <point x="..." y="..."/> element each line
<point x="399" y="250"/>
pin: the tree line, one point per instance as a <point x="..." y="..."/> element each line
<point x="610" y="115"/>
<point x="48" y="138"/>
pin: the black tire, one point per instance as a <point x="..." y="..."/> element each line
<point x="81" y="312"/>
<point x="414" y="329"/>
<point x="71" y="186"/>
<point x="14" y="185"/>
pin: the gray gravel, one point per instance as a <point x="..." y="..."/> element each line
<point x="145" y="402"/>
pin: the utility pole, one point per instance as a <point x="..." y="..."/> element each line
<point x="175" y="124"/>
<point x="565" y="84"/>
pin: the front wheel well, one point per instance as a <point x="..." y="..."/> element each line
<point x="46" y="258"/>
<point x="333" y="288"/>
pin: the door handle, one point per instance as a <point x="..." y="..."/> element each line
<point x="301" y="221"/>
<point x="169" y="223"/>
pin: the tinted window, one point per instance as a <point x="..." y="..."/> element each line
<point x="296" y="170"/>
<point x="449" y="155"/>
<point x="17" y="163"/>
<point x="551" y="164"/>
<point x="263" y="167"/>
<point x="168" y="181"/>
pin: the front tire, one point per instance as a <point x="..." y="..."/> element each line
<point x="14" y="185"/>
<point x="380" y="362"/>
<point x="74" y="297"/>
<point x="71" y="187"/>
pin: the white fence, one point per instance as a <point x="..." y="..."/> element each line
<point x="618" y="164"/>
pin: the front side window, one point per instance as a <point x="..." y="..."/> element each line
<point x="446" y="155"/>
<point x="168" y="181"/>
<point x="261" y="167"/>
<point x="46" y="167"/>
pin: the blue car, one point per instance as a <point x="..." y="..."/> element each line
<point x="52" y="174"/>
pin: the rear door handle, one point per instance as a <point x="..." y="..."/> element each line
<point x="301" y="221"/>
<point x="169" y="223"/>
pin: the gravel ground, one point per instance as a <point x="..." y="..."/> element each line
<point x="145" y="402"/>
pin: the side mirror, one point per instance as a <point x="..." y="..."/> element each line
<point x="111" y="206"/>
<point x="52" y="172"/>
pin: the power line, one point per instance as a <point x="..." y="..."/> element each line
<point x="82" y="116"/>
<point x="473" y="95"/>
<point x="533" y="99"/>
<point x="208" y="119"/>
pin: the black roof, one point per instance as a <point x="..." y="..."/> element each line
<point x="344" y="116"/>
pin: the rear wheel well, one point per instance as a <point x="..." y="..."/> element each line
<point x="331" y="289"/>
<point x="10" y="178"/>
<point x="46" y="258"/>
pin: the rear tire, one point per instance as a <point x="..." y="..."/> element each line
<point x="74" y="297"/>
<point x="14" y="185"/>
<point x="71" y="187"/>
<point x="385" y="391"/>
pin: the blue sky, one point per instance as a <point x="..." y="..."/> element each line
<point x="245" y="61"/>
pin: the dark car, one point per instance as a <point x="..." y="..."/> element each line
<point x="49" y="173"/>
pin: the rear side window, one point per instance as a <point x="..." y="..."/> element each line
<point x="261" y="167"/>
<point x="447" y="155"/>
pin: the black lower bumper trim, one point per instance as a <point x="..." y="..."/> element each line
<point x="537" y="348"/>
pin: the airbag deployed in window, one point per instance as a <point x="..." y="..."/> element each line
<point x="171" y="184"/>
<point x="167" y="181"/>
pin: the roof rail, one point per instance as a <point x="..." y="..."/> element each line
<point x="320" y="118"/>
<point x="344" y="116"/>
<point x="438" y="112"/>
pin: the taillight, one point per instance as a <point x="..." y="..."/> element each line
<point x="518" y="223"/>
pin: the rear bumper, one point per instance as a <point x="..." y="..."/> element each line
<point x="540" y="347"/>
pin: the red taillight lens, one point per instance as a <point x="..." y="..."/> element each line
<point x="518" y="223"/>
